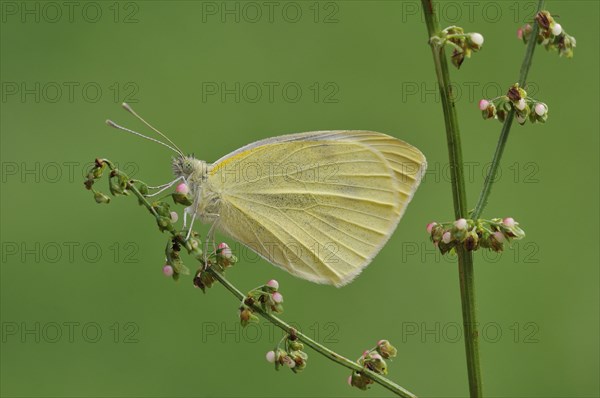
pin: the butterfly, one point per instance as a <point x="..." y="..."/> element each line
<point x="318" y="204"/>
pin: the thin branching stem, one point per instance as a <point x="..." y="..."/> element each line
<point x="491" y="175"/>
<point x="321" y="349"/>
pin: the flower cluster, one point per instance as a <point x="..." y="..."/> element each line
<point x="291" y="355"/>
<point x="267" y="297"/>
<point x="174" y="266"/>
<point x="95" y="173"/>
<point x="373" y="359"/>
<point x="526" y="108"/>
<point x="551" y="35"/>
<point x="474" y="234"/>
<point x="464" y="44"/>
<point x="222" y="258"/>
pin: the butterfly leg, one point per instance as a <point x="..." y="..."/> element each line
<point x="164" y="187"/>
<point x="210" y="238"/>
<point x="187" y="237"/>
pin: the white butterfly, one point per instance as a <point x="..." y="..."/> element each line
<point x="320" y="204"/>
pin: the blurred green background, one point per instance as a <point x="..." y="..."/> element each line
<point x="85" y="308"/>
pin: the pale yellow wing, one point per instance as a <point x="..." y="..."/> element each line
<point x="320" y="205"/>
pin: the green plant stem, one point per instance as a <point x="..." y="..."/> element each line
<point x="321" y="349"/>
<point x="491" y="175"/>
<point x="465" y="258"/>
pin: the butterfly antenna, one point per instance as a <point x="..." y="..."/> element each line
<point x="130" y="110"/>
<point x="116" y="126"/>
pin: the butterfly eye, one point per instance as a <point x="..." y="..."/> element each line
<point x="187" y="167"/>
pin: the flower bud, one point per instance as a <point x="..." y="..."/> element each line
<point x="296" y="345"/>
<point x="270" y="356"/>
<point x="277" y="297"/>
<point x="360" y="381"/>
<point x="289" y="362"/>
<point x="477" y="39"/>
<point x="182" y="189"/>
<point x="224" y="250"/>
<point x="376" y="363"/>
<point x="273" y="284"/>
<point x="99" y="197"/>
<point x="521" y="104"/>
<point x="430" y="227"/>
<point x="164" y="223"/>
<point x="541" y="109"/>
<point x="247" y="316"/>
<point x="181" y="198"/>
<point x="509" y="222"/>
<point x="168" y="270"/>
<point x="385" y="349"/>
<point x="496" y="241"/>
<point x="461" y="223"/>
<point x="471" y="241"/>
<point x="447" y="237"/>
<point x="556" y="29"/>
<point x="483" y="104"/>
<point x="174" y="216"/>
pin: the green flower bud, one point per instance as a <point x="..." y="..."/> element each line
<point x="296" y="345"/>
<point x="376" y="363"/>
<point x="247" y="316"/>
<point x="181" y="199"/>
<point x="97" y="172"/>
<point x="164" y="224"/>
<point x="143" y="189"/>
<point x="115" y="188"/>
<point x="101" y="198"/>
<point x="385" y="349"/>
<point x="360" y="381"/>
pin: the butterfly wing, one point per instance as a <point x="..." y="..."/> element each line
<point x="320" y="205"/>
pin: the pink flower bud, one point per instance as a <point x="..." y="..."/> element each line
<point x="270" y="356"/>
<point x="375" y="355"/>
<point x="174" y="216"/>
<point x="277" y="297"/>
<point x="499" y="236"/>
<point x="521" y="104"/>
<point x="556" y="29"/>
<point x="273" y="284"/>
<point x="461" y="223"/>
<point x="541" y="109"/>
<point x="447" y="237"/>
<point x="225" y="251"/>
<point x="350" y="380"/>
<point x="365" y="353"/>
<point x="430" y="227"/>
<point x="182" y="189"/>
<point x="168" y="270"/>
<point x="509" y="222"/>
<point x="520" y="33"/>
<point x="483" y="104"/>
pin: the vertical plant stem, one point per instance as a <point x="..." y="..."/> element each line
<point x="465" y="258"/>
<point x="491" y="175"/>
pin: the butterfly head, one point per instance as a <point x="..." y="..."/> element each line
<point x="190" y="168"/>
